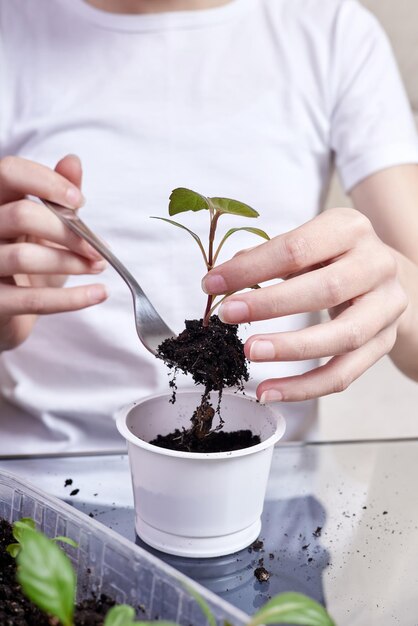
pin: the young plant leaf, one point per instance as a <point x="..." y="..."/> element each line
<point x="46" y="576"/>
<point x="20" y="526"/>
<point x="158" y="622"/>
<point x="66" y="540"/>
<point x="18" y="529"/>
<point x="195" y="237"/>
<point x="234" y="207"/>
<point x="13" y="549"/>
<point x="122" y="615"/>
<point x="292" y="608"/>
<point x="182" y="199"/>
<point x="204" y="607"/>
<point x="231" y="231"/>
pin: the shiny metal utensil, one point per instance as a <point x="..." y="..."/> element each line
<point x="151" y="328"/>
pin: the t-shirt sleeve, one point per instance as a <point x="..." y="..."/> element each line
<point x="372" y="126"/>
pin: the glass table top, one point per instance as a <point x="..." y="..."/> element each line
<point x="340" y="524"/>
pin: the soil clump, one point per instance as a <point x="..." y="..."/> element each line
<point x="214" y="356"/>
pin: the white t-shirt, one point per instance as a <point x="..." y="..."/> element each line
<point x="249" y="100"/>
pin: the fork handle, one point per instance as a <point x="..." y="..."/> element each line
<point x="70" y="218"/>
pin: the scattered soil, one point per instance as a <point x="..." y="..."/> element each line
<point x="214" y="356"/>
<point x="74" y="492"/>
<point x="68" y="482"/>
<point x="92" y="612"/>
<point x="16" y="610"/>
<point x="261" y="574"/>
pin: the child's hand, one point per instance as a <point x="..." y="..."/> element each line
<point x="336" y="262"/>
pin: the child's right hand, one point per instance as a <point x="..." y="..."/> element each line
<point x="37" y="251"/>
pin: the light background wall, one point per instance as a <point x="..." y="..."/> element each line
<point x="383" y="403"/>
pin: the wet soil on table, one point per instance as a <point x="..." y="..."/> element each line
<point x="17" y="610"/>
<point x="214" y="356"/>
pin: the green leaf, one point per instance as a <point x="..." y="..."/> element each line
<point x="122" y="615"/>
<point x="13" y="549"/>
<point x="66" y="540"/>
<point x="204" y="607"/>
<point x="227" y="205"/>
<point x="46" y="576"/>
<point x="21" y="526"/>
<point x="159" y="622"/>
<point x="292" y="608"/>
<point x="182" y="199"/>
<point x="195" y="237"/>
<point x="231" y="231"/>
<point x="250" y="229"/>
<point x="28" y="521"/>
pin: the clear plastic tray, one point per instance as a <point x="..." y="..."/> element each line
<point x="107" y="563"/>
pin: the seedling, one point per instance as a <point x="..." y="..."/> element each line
<point x="44" y="572"/>
<point x="182" y="200"/>
<point x="48" y="579"/>
<point x="208" y="349"/>
<point x="26" y="523"/>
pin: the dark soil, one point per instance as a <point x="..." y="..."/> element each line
<point x="16" y="610"/>
<point x="215" y="441"/>
<point x="214" y="356"/>
<point x="261" y="574"/>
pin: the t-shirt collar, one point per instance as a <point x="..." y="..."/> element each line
<point x="158" y="21"/>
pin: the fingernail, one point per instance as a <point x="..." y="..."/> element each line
<point x="97" y="294"/>
<point x="74" y="197"/>
<point x="234" y="312"/>
<point x="214" y="283"/>
<point x="98" y="266"/>
<point x="272" y="395"/>
<point x="262" y="350"/>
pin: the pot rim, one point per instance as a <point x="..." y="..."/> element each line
<point x="122" y="415"/>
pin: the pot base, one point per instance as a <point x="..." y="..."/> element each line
<point x="196" y="547"/>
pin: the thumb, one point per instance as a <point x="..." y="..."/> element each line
<point x="70" y="168"/>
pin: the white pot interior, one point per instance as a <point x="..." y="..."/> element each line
<point x="158" y="416"/>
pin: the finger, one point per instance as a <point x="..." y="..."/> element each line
<point x="20" y="177"/>
<point x="327" y="236"/>
<point x="354" y="327"/>
<point x="70" y="168"/>
<point x="31" y="219"/>
<point x="317" y="290"/>
<point x="28" y="300"/>
<point x="333" y="377"/>
<point x="32" y="258"/>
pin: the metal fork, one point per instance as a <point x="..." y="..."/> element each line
<point x="151" y="328"/>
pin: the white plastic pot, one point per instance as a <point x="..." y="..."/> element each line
<point x="198" y="504"/>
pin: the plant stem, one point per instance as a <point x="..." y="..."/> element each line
<point x="212" y="231"/>
<point x="206" y="316"/>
